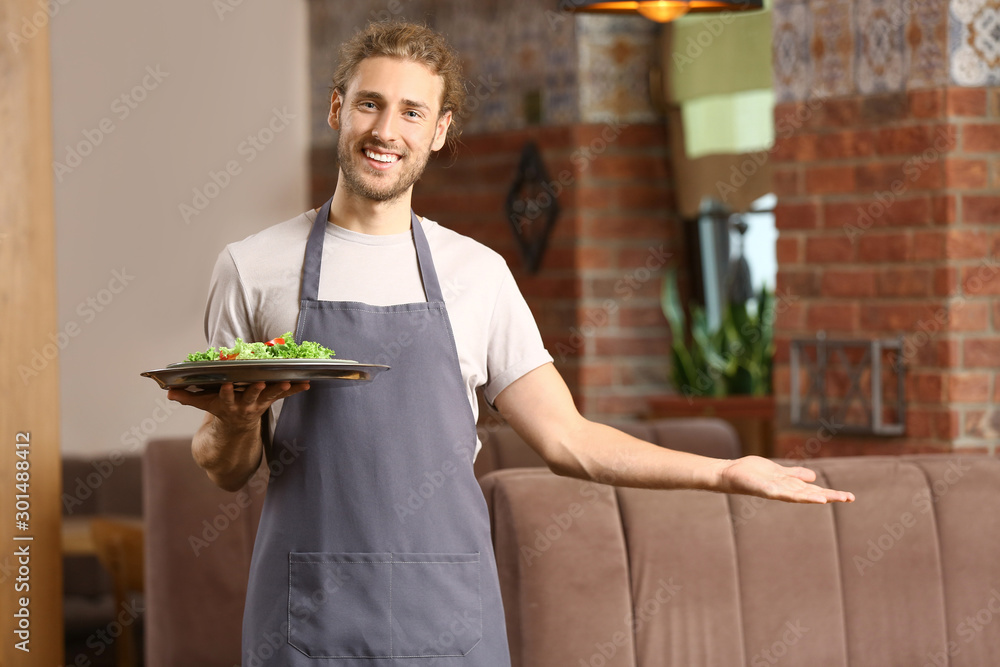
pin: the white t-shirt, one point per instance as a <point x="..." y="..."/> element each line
<point x="256" y="283"/>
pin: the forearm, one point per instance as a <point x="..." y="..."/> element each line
<point x="230" y="456"/>
<point x="600" y="453"/>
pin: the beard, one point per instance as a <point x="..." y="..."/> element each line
<point x="362" y="180"/>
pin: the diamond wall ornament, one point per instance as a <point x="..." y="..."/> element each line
<point x="532" y="207"/>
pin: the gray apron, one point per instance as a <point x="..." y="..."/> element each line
<point x="374" y="542"/>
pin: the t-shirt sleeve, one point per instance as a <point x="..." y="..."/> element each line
<point x="515" y="344"/>
<point x="227" y="314"/>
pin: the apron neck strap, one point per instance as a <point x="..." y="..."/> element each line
<point x="314" y="257"/>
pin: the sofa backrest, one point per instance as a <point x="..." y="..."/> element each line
<point x="503" y="448"/>
<point x="909" y="574"/>
<point x="199" y="540"/>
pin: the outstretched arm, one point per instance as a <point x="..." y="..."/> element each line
<point x="539" y="407"/>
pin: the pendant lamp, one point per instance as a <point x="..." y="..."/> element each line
<point x="663" y="11"/>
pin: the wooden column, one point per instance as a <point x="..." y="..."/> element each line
<point x="29" y="374"/>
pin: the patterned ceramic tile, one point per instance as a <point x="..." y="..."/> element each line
<point x="792" y="58"/>
<point x="880" y="46"/>
<point x="511" y="50"/>
<point x="927" y="44"/>
<point x="831" y="47"/>
<point x="615" y="58"/>
<point x="975" y="45"/>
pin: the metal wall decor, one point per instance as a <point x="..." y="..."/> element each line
<point x="532" y="207"/>
<point x="862" y="408"/>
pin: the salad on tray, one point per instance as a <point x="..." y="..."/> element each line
<point x="282" y="347"/>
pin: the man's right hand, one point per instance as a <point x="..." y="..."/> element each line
<point x="228" y="444"/>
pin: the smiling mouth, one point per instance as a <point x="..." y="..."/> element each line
<point x="386" y="158"/>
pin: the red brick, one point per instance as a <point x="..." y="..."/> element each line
<point x="945" y="281"/>
<point x="623" y="226"/>
<point x="631" y="318"/>
<point x="925" y="387"/>
<point x="832" y="317"/>
<point x="881" y="177"/>
<point x="909" y="212"/>
<point x="787" y="182"/>
<point x="966" y="174"/>
<point x="966" y="101"/>
<point x="596" y="375"/>
<point x="631" y="347"/>
<point x="856" y="283"/>
<point x="791" y="318"/>
<point x="829" y="249"/>
<point x="895" y="317"/>
<point x="840" y="112"/>
<point x="981" y="138"/>
<point x="980" y="280"/>
<point x="927" y="103"/>
<point x="945" y="209"/>
<point x="981" y="353"/>
<point x="981" y="209"/>
<point x="800" y="283"/>
<point x="968" y="387"/>
<point x="965" y="244"/>
<point x="909" y="140"/>
<point x="637" y="167"/>
<point x="592" y="257"/>
<point x="879" y="247"/>
<point x="788" y="250"/>
<point x="830" y="180"/>
<point x="906" y="282"/>
<point x="550" y="288"/>
<point x="796" y="216"/>
<point x="969" y="316"/>
<point x="919" y="424"/>
<point x="844" y="145"/>
<point x="848" y="214"/>
<point x="929" y="245"/>
<point x="947" y="424"/>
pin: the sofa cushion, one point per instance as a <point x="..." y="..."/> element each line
<point x="906" y="575"/>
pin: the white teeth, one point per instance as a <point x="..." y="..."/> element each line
<point x="381" y="157"/>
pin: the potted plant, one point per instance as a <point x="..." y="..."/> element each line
<point x="725" y="372"/>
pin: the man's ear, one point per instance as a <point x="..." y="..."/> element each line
<point x="336" y="102"/>
<point x="441" y="131"/>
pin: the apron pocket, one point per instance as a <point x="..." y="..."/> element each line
<point x="382" y="605"/>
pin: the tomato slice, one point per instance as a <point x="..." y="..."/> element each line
<point x="228" y="357"/>
<point x="275" y="341"/>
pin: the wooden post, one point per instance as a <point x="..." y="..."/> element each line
<point x="30" y="551"/>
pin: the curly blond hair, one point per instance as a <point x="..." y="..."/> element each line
<point x="407" y="41"/>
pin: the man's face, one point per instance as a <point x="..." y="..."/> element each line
<point x="389" y="124"/>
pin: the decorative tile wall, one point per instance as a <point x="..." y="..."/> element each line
<point x="833" y="48"/>
<point x="526" y="62"/>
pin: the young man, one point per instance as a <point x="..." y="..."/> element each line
<point x="346" y="566"/>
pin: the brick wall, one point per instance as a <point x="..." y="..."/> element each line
<point x="888" y="217"/>
<point x="596" y="294"/>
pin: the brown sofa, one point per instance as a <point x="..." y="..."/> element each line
<point x="598" y="576"/>
<point x="908" y="575"/>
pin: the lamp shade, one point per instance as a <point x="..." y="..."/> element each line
<point x="663" y="10"/>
